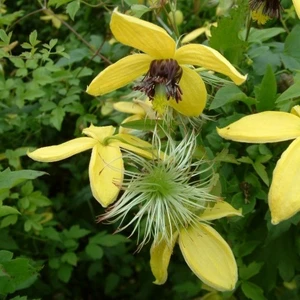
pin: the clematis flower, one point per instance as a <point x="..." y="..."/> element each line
<point x="269" y="127"/>
<point x="139" y="110"/>
<point x="204" y="250"/>
<point x="199" y="31"/>
<point x="169" y="78"/>
<point x="264" y="10"/>
<point x="106" y="168"/>
<point x="173" y="194"/>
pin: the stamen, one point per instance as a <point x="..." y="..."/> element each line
<point x="162" y="72"/>
<point x="270" y="8"/>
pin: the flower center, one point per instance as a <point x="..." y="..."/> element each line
<point x="164" y="73"/>
<point x="263" y="10"/>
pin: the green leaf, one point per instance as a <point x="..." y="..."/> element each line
<point x="9" y="179"/>
<point x="108" y="240"/>
<point x="246" y="272"/>
<point x="76" y="232"/>
<point x="9" y="220"/>
<point x="5" y="37"/>
<point x="261" y="171"/>
<point x="292" y="44"/>
<point x="5" y="256"/>
<point x="33" y="38"/>
<point x="57" y="117"/>
<point x="64" y="272"/>
<point x="225" y="38"/>
<point x="58" y="3"/>
<point x="70" y="258"/>
<point x="266" y="92"/>
<point x="8" y="210"/>
<point x="94" y="251"/>
<point x="291" y="93"/>
<point x="227" y="94"/>
<point x="247" y="248"/>
<point x="51" y="234"/>
<point x="252" y="291"/>
<point x="138" y="10"/>
<point x="72" y="8"/>
<point x="262" y="35"/>
<point x="146" y="125"/>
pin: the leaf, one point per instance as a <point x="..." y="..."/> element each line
<point x="246" y="272"/>
<point x="8" y="210"/>
<point x="262" y="35"/>
<point x="70" y="258"/>
<point x="5" y="37"/>
<point x="252" y="291"/>
<point x="64" y="273"/>
<point x="292" y="44"/>
<point x="33" y="38"/>
<point x="72" y="8"/>
<point x="5" y="256"/>
<point x="261" y="171"/>
<point x="94" y="251"/>
<point x="138" y="10"/>
<point x="76" y="232"/>
<point x="109" y="240"/>
<point x="292" y="92"/>
<point x="225" y="38"/>
<point x="9" y="179"/>
<point x="266" y="92"/>
<point x="57" y="117"/>
<point x="227" y="94"/>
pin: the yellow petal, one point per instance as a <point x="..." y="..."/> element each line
<point x="193" y="35"/>
<point x="193" y="94"/>
<point x="209" y="256"/>
<point x="265" y="127"/>
<point x="129" y="107"/>
<point x="119" y="74"/>
<point x="160" y="254"/>
<point x="62" y="151"/>
<point x="106" y="173"/>
<point x="210" y="59"/>
<point x="142" y="35"/>
<point x="220" y="210"/>
<point x="284" y="194"/>
<point x="297" y="7"/>
<point x="99" y="132"/>
<point x="296" y="110"/>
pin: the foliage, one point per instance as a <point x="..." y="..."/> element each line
<point x="50" y="243"/>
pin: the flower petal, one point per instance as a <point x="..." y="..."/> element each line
<point x="134" y="144"/>
<point x="297" y="7"/>
<point x="119" y="74"/>
<point x="62" y="151"/>
<point x="265" y="127"/>
<point x="284" y="194"/>
<point x="220" y="210"/>
<point x="160" y="254"/>
<point x="142" y="35"/>
<point x="209" y="256"/>
<point x="193" y="35"/>
<point x="99" y="132"/>
<point x="210" y="59"/>
<point x="193" y="94"/>
<point x="106" y="173"/>
<point x="129" y="107"/>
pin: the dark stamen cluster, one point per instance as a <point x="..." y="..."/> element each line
<point x="271" y="8"/>
<point x="166" y="72"/>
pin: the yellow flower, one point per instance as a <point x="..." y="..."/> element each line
<point x="297" y="7"/>
<point x="139" y="110"/>
<point x="106" y="164"/>
<point x="169" y="78"/>
<point x="197" y="32"/>
<point x="269" y="127"/>
<point x="204" y="250"/>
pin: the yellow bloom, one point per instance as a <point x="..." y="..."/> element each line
<point x="197" y="32"/>
<point x="268" y="127"/>
<point x="139" y="110"/>
<point x="297" y="7"/>
<point x="106" y="164"/>
<point x="169" y="79"/>
<point x="204" y="250"/>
